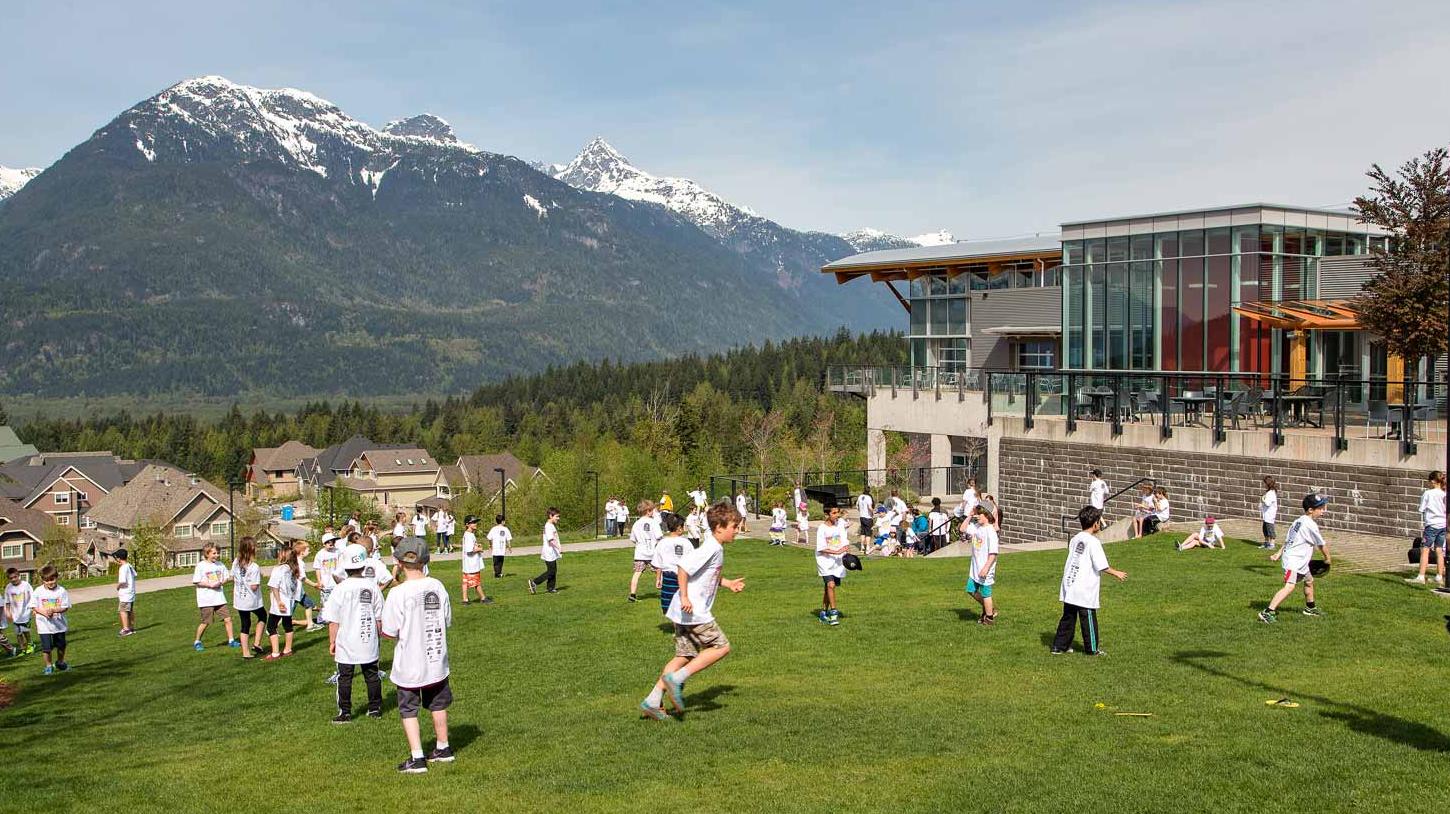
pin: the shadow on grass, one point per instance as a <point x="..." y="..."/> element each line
<point x="1357" y="718"/>
<point x="706" y="701"/>
<point x="969" y="615"/>
<point x="461" y="735"/>
<point x="1266" y="568"/>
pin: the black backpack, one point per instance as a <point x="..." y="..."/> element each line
<point x="1414" y="553"/>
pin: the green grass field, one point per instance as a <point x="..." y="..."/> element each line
<point x="906" y="706"/>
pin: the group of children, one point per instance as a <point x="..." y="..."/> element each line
<point x="45" y="607"/>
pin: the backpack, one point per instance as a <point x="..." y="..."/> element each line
<point x="1414" y="553"/>
<point x="920" y="525"/>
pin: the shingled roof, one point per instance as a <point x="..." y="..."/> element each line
<point x="281" y="459"/>
<point x="156" y="495"/>
<point x="14" y="517"/>
<point x="23" y="479"/>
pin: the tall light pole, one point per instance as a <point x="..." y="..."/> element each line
<point x="595" y="508"/>
<point x="503" y="498"/>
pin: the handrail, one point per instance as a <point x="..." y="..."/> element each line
<point x="1109" y="499"/>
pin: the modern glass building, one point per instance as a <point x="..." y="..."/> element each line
<point x="1188" y="291"/>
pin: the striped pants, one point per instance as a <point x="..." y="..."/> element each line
<point x="1071" y="615"/>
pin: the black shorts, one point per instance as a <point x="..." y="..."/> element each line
<point x="831" y="580"/>
<point x="52" y="641"/>
<point x="1268" y="530"/>
<point x="434" y="698"/>
<point x="867" y="527"/>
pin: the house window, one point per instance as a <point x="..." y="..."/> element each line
<point x="62" y="520"/>
<point x="87" y="523"/>
<point x="1036" y="355"/>
<point x="183" y="531"/>
<point x="61" y="498"/>
<point x="82" y="496"/>
<point x="188" y="558"/>
<point x="220" y="528"/>
<point x="13" y="551"/>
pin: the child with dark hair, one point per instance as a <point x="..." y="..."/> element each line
<point x="126" y="592"/>
<point x="550" y="553"/>
<point x="247" y="595"/>
<point x="1432" y="517"/>
<point x="982" y="534"/>
<point x="1269" y="511"/>
<point x="667" y="556"/>
<point x="49" y="603"/>
<point x="1081" y="582"/>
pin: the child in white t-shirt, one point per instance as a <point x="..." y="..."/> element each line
<point x="247" y="595"/>
<point x="1081" y="581"/>
<point x="1432" y="521"/>
<point x="668" y="553"/>
<point x="831" y="545"/>
<point x="352" y="611"/>
<point x="17" y="609"/>
<point x="1300" y="541"/>
<point x="645" y="534"/>
<point x="417" y="613"/>
<point x="1269" y="511"/>
<point x="1098" y="490"/>
<point x="501" y="542"/>
<point x="49" y="603"/>
<point x="472" y="566"/>
<point x="281" y="596"/>
<point x="549" y="552"/>
<point x="699" y="641"/>
<point x="1144" y="509"/>
<point x="742" y="505"/>
<point x="1210" y="535"/>
<point x="211" y="601"/>
<point x="695" y="526"/>
<point x="125" y="592"/>
<point x="982" y="535"/>
<point x="778" y="522"/>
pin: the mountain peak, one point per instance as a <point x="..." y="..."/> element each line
<point x="11" y="180"/>
<point x="424" y="125"/>
<point x="940" y="237"/>
<point x="870" y="240"/>
<point x="601" y="150"/>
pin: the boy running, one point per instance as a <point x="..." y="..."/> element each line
<point x="126" y="592"/>
<point x="502" y="542"/>
<point x="49" y="603"/>
<point x="17" y="609"/>
<point x="831" y="544"/>
<point x="351" y="612"/>
<point x="1081" y="582"/>
<point x="472" y="565"/>
<point x="211" y="601"/>
<point x="1299" y="544"/>
<point x="699" y="641"/>
<point x="417" y="614"/>
<point x="985" y="547"/>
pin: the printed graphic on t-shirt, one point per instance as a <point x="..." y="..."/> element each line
<point x="432" y="628"/>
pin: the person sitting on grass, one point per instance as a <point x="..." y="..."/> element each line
<point x="831" y="544"/>
<point x="1299" y="544"/>
<point x="699" y="641"/>
<point x="1081" y="583"/>
<point x="417" y="614"/>
<point x="1210" y="535"/>
<point x="985" y="548"/>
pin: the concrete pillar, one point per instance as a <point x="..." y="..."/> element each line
<point x="941" y="456"/>
<point x="994" y="458"/>
<point x="875" y="457"/>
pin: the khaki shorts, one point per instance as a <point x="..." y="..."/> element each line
<point x="691" y="639"/>
<point x="215" y="612"/>
<point x="125" y="606"/>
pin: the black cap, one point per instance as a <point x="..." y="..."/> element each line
<point x="470" y="520"/>
<point x="1314" y="501"/>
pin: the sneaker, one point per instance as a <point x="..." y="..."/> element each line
<point x="414" y="765"/>
<point x="1267" y="546"/>
<point x="234" y="643"/>
<point x="342" y="718"/>
<point x="1268" y="617"/>
<point x="677" y="691"/>
<point x="62" y="666"/>
<point x="487" y="600"/>
<point x="1420" y="580"/>
<point x="632" y="598"/>
<point x="552" y="590"/>
<point x="313" y="628"/>
<point x="1095" y="653"/>
<point x="657" y="713"/>
<point x="823" y="616"/>
<point x="49" y="670"/>
<point x="1313" y="612"/>
<point x="833" y="618"/>
<point x="332" y="679"/>
<point x="533" y="587"/>
<point x="444" y="755"/>
<point x="375" y="713"/>
<point x="130" y="631"/>
<point x="30" y="648"/>
<point x="197" y="646"/>
<point x="1057" y="652"/>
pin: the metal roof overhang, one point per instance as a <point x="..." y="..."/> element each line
<point x="1029" y="330"/>
<point x="910" y="270"/>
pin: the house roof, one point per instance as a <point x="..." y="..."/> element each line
<point x="338" y="458"/>
<point x="156" y="495"/>
<point x="24" y="479"/>
<point x="452" y="475"/>
<point x="14" y="517"/>
<point x="478" y="470"/>
<point x="281" y="459"/>
<point x="11" y="446"/>
<point x="398" y="460"/>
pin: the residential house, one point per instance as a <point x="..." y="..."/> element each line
<point x="272" y="472"/>
<point x="65" y="485"/>
<point x="480" y="473"/>
<point x="395" y="478"/>
<point x="11" y="447"/>
<point x="22" y="531"/>
<point x="188" y="511"/>
<point x="317" y="472"/>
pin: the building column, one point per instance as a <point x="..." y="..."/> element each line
<point x="994" y="451"/>
<point x="1298" y="357"/>
<point x="1395" y="380"/>
<point x="941" y="457"/>
<point x="875" y="457"/>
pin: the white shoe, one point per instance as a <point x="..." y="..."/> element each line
<point x="1420" y="580"/>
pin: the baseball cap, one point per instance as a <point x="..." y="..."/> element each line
<point x="851" y="562"/>
<point x="1314" y="501"/>
<point x="472" y="518"/>
<point x="411" y="551"/>
<point x="354" y="555"/>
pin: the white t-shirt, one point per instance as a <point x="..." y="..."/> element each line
<point x="984" y="545"/>
<point x="354" y="606"/>
<point x="417" y="614"/>
<point x="888" y="522"/>
<point x="669" y="552"/>
<point x="778" y="519"/>
<point x="702" y="565"/>
<point x="621" y="514"/>
<point x="356" y="526"/>
<point x="56" y="599"/>
<point x="969" y="501"/>
<point x="938" y="524"/>
<point x="865" y="505"/>
<point x="300" y="587"/>
<point x="610" y="509"/>
<point x="741" y="504"/>
<point x="500" y="537"/>
<point x="246" y="586"/>
<point x="549" y="553"/>
<point x="472" y="554"/>
<point x="1098" y="493"/>
<point x="644" y="535"/>
<point x="1269" y="506"/>
<point x="1432" y="508"/>
<point x="285" y="585"/>
<point x="700" y="498"/>
<point x="829" y="535"/>
<point x="420" y="526"/>
<point x="1212" y="536"/>
<point x="206" y="571"/>
<point x="400" y="530"/>
<point x="126" y="582"/>
<point x="372" y="568"/>
<point x="899" y="506"/>
<point x="1299" y="544"/>
<point x="17" y="601"/>
<point x="1165" y="509"/>
<point x="803" y="522"/>
<point x="1081" y="576"/>
<point x="693" y="526"/>
<point x="797" y="498"/>
<point x="325" y="563"/>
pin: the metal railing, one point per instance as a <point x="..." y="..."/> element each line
<point x="869" y="381"/>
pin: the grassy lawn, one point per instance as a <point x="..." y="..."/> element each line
<point x="907" y="705"/>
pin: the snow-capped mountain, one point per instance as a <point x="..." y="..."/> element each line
<point x="870" y="240"/>
<point x="424" y="125"/>
<point x="11" y="180"/>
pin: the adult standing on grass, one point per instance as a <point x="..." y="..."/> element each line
<point x="1081" y="582"/>
<point x="281" y="594"/>
<point x="417" y="614"/>
<point x="352" y="612"/>
<point x="211" y="601"/>
<point x="126" y="592"/>
<point x="550" y="553"/>
<point x="247" y="595"/>
<point x="645" y="535"/>
<point x="501" y="541"/>
<point x="609" y="507"/>
<point x="1299" y="544"/>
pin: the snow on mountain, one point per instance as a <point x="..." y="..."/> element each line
<point x="940" y="237"/>
<point x="870" y="240"/>
<point x="11" y="180"/>
<point x="424" y="125"/>
<point x="601" y="168"/>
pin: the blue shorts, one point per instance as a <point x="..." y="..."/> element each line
<point x="974" y="588"/>
<point x="1434" y="538"/>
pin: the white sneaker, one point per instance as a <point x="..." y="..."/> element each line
<point x="1420" y="580"/>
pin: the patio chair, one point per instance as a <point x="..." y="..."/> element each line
<point x="1379" y="414"/>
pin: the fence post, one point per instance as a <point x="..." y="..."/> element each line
<point x="1117" y="405"/>
<point x="962" y="387"/>
<point x="1407" y="432"/>
<point x="987" y="391"/>
<point x="1276" y="437"/>
<point x="1341" y="442"/>
<point x="1166" y="406"/>
<point x="1027" y="420"/>
<point x="1071" y="397"/>
<point x="1219" y="436"/>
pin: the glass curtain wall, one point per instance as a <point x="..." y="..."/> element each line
<point x="939" y="328"/>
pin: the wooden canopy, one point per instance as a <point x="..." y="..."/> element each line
<point x="1296" y="315"/>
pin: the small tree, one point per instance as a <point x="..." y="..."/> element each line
<point x="145" y="547"/>
<point x="59" y="549"/>
<point x="1406" y="302"/>
<point x="762" y="433"/>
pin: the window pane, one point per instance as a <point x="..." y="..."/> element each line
<point x="1218" y="241"/>
<point x="1246" y="239"/>
<point x="1190" y="314"/>
<point x="957" y="284"/>
<point x="919" y="317"/>
<point x="1097" y="296"/>
<point x="1167" y="244"/>
<point x="1117" y="249"/>
<point x="1168" y="323"/>
<point x="1072" y="251"/>
<point x="1271" y="238"/>
<point x="957" y="315"/>
<point x="1117" y="317"/>
<point x="1190" y="243"/>
<point x="1218" y="280"/>
<point x="937" y="286"/>
<point x="1142" y="247"/>
<point x="1293" y="240"/>
<point x="1097" y="250"/>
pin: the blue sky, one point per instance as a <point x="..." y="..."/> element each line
<point x="987" y="119"/>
